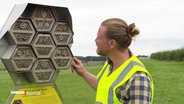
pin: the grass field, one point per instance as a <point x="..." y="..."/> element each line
<point x="168" y="78"/>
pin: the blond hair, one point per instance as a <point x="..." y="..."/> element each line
<point x="118" y="30"/>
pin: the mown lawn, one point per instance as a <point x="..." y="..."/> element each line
<point x="169" y="81"/>
<point x="168" y="78"/>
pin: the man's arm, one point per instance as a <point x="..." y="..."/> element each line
<point x="140" y="89"/>
<point x="78" y="67"/>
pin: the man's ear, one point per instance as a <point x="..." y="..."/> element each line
<point x="112" y="43"/>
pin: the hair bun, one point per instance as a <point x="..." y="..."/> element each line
<point x="133" y="30"/>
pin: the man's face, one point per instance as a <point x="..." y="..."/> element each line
<point x="102" y="42"/>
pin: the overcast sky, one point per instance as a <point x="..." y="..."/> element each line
<point x="161" y="22"/>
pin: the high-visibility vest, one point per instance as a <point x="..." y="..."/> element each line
<point x="107" y="84"/>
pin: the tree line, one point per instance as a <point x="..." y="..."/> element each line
<point x="91" y="58"/>
<point x="169" y="55"/>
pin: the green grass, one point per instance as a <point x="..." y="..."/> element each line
<point x="74" y="89"/>
<point x="1" y="66"/>
<point x="6" y="85"/>
<point x="168" y="79"/>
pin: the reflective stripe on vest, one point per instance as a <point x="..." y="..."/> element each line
<point x="122" y="76"/>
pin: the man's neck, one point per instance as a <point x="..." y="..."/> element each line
<point x="118" y="58"/>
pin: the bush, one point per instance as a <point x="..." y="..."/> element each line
<point x="172" y="55"/>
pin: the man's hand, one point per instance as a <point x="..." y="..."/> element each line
<point x="78" y="67"/>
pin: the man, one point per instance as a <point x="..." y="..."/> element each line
<point x="123" y="78"/>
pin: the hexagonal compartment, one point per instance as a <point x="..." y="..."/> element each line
<point x="43" y="19"/>
<point x="43" y="45"/>
<point x="21" y="59"/>
<point x="61" y="33"/>
<point x="22" y="32"/>
<point x="42" y="71"/>
<point x="62" y="58"/>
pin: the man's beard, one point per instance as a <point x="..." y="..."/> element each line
<point x="100" y="53"/>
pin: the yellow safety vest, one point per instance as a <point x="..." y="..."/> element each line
<point x="108" y="84"/>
